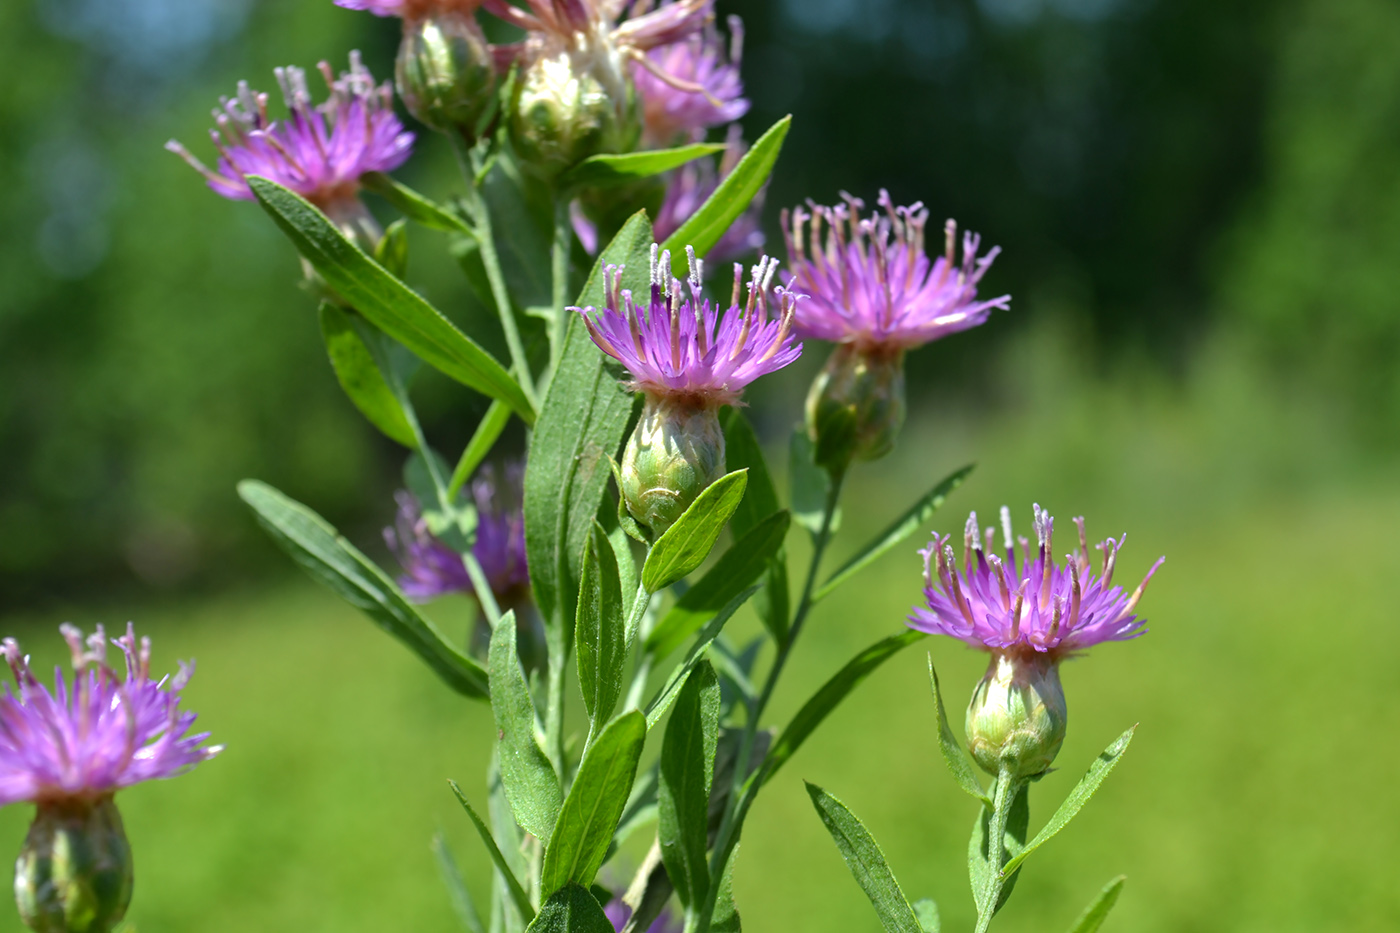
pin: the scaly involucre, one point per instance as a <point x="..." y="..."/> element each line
<point x="318" y="151"/>
<point x="683" y="346"/>
<point x="102" y="732"/>
<point x="689" y="86"/>
<point x="871" y="282"/>
<point x="1032" y="604"/>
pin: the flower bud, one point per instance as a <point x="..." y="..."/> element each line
<point x="445" y="72"/>
<point x="1017" y="716"/>
<point x="74" y="873"/>
<point x="856" y="408"/>
<point x="569" y="106"/>
<point x="676" y="451"/>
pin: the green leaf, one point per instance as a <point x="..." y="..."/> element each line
<point x="742" y="451"/>
<point x="595" y="804"/>
<point x="927" y="912"/>
<point x="687" y="543"/>
<point x="329" y="558"/>
<point x="810" y="484"/>
<point x="391" y="251"/>
<point x="360" y="377"/>
<point x="513" y="885"/>
<point x="815" y="710"/>
<point x="953" y="755"/>
<point x="736" y="570"/>
<point x="902" y="528"/>
<point x="385" y="301"/>
<point x="610" y="171"/>
<point x="582" y="424"/>
<point x="714" y="218"/>
<point x="687" y="768"/>
<point x="667" y="694"/>
<point x="726" y="915"/>
<point x="1095" y="914"/>
<point x="462" y="904"/>
<point x="413" y="205"/>
<point x="531" y="785"/>
<point x="510" y="838"/>
<point x="483" y="439"/>
<point x="978" y="852"/>
<point x="1107" y="760"/>
<point x="866" y="862"/>
<point x="571" y="909"/>
<point x="600" y="630"/>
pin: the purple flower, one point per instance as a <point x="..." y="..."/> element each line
<point x="617" y="30"/>
<point x="689" y="348"/>
<point x="84" y="741"/>
<point x="618" y="913"/>
<point x="691" y="85"/>
<point x="412" y="9"/>
<point x="1034" y="605"/>
<point x="432" y="569"/>
<point x="691" y="186"/>
<point x="870" y="281"/>
<point x="319" y="151"/>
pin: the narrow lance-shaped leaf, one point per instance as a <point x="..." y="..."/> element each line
<point x="328" y="557"/>
<point x="953" y="756"/>
<point x="385" y="301"/>
<point x="601" y="630"/>
<point x="687" y="768"/>
<point x="742" y="451"/>
<point x="902" y="528"/>
<point x="483" y="439"/>
<point x="462" y="903"/>
<point x="360" y="377"/>
<point x="592" y="810"/>
<point x="666" y="695"/>
<point x="979" y="851"/>
<point x="687" y="543"/>
<point x="413" y="205"/>
<point x="1077" y="798"/>
<point x="866" y="862"/>
<point x="571" y="909"/>
<point x="815" y="710"/>
<point x="610" y="170"/>
<point x="531" y="785"/>
<point x="927" y="912"/>
<point x="513" y="886"/>
<point x="1096" y="913"/>
<point x="582" y="423"/>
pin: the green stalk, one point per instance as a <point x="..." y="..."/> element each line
<point x="559" y="271"/>
<point x="1007" y="787"/>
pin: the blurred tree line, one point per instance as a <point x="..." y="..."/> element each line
<point x="1163" y="167"/>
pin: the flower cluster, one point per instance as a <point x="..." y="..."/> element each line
<point x="85" y="740"/>
<point x="691" y="85"/>
<point x="870" y="281"/>
<point x="1030" y="605"/>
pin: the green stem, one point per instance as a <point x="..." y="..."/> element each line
<point x="554" y="711"/>
<point x="1007" y="787"/>
<point x="482" y="586"/>
<point x="559" y="270"/>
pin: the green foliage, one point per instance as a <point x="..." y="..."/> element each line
<point x="983" y="856"/>
<point x="1096" y="913"/>
<point x="571" y="909"/>
<point x="811" y="485"/>
<point x="530" y="783"/>
<point x="687" y="543"/>
<point x="610" y="171"/>
<point x="666" y="694"/>
<point x="415" y="206"/>
<point x="742" y="452"/>
<point x="503" y="867"/>
<point x="687" y="766"/>
<point x="488" y="431"/>
<point x="927" y="912"/>
<point x="953" y="756"/>
<point x="330" y="559"/>
<point x="462" y="903"/>
<point x="866" y="862"/>
<point x="601" y="630"/>
<point x="360" y="377"/>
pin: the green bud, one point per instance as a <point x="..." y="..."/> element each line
<point x="74" y="873"/>
<point x="445" y="73"/>
<point x="569" y="106"/>
<point x="856" y="407"/>
<point x="676" y="451"/>
<point x="1017" y="716"/>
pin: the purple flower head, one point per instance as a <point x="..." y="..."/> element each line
<point x="1030" y="605"/>
<point x="88" y="739"/>
<point x="432" y="569"/>
<point x="691" y="85"/>
<point x="618" y="913"/>
<point x="319" y="151"/>
<point x="872" y="284"/>
<point x="691" y="186"/>
<point x="689" y="347"/>
<point x="614" y="31"/>
<point x="412" y="9"/>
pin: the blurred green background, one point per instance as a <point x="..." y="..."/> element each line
<point x="1199" y="205"/>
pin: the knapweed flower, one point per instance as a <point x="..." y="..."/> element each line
<point x="875" y="293"/>
<point x="689" y="86"/>
<point x="690" y="187"/>
<point x="1029" y="614"/>
<point x="69" y="751"/>
<point x="574" y="95"/>
<point x="689" y="356"/>
<point x="320" y="151"/>
<point x="618" y="913"/>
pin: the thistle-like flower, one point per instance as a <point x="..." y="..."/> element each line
<point x="574" y="96"/>
<point x="69" y="751"/>
<point x="689" y="357"/>
<point x="320" y="151"/>
<point x="691" y="186"/>
<point x="1030" y="615"/>
<point x="875" y="293"/>
<point x="689" y="86"/>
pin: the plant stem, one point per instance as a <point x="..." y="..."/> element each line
<point x="559" y="271"/>
<point x="1007" y="788"/>
<point x="482" y="588"/>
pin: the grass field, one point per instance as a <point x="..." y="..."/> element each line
<point x="1256" y="795"/>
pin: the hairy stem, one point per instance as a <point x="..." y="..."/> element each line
<point x="1007" y="787"/>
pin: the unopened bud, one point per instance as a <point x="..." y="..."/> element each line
<point x="74" y="873"/>
<point x="568" y="107"/>
<point x="1016" y="720"/>
<point x="445" y="73"/>
<point x="855" y="408"/>
<point x="675" y="452"/>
